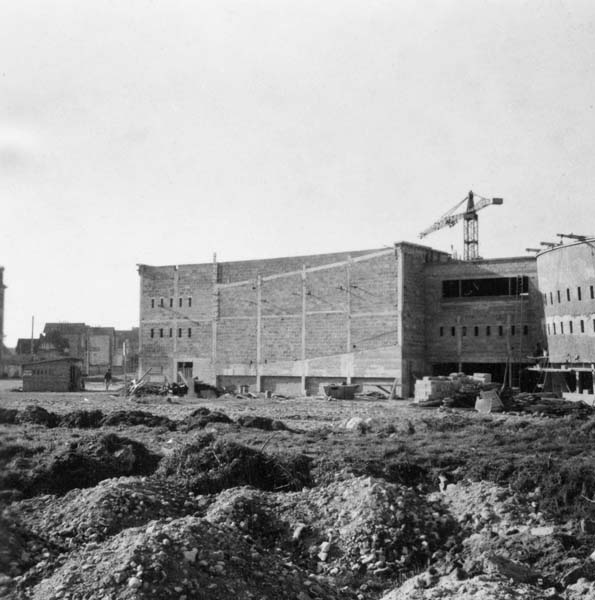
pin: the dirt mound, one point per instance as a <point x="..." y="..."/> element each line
<point x="84" y="464"/>
<point x="93" y="514"/>
<point x="183" y="558"/>
<point x="361" y="531"/>
<point x="253" y="512"/>
<point x="364" y="527"/>
<point x="202" y="417"/>
<point x="495" y="521"/>
<point x="38" y="416"/>
<point x="137" y="417"/>
<point x="20" y="550"/>
<point x="82" y="419"/>
<point x="429" y="587"/>
<point x="263" y="423"/>
<point x="8" y="416"/>
<point x="209" y="465"/>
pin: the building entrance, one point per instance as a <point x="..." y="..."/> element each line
<point x="186" y="369"/>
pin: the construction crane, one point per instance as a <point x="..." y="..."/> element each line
<point x="469" y="215"/>
<point x="573" y="236"/>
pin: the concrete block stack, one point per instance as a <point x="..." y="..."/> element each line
<point x="432" y="388"/>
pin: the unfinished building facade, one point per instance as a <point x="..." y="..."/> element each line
<point x="567" y="284"/>
<point x="2" y="348"/>
<point x="369" y="317"/>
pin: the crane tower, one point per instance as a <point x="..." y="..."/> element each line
<point x="470" y="222"/>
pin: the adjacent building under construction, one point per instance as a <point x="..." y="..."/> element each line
<point x="371" y="317"/>
<point x="567" y="283"/>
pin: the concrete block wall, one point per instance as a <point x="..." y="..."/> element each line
<point x="451" y="322"/>
<point x="250" y="314"/>
<point x="567" y="285"/>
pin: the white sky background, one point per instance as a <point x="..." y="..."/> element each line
<point x="161" y="132"/>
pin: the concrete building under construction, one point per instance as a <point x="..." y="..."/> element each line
<point x="567" y="283"/>
<point x="368" y="317"/>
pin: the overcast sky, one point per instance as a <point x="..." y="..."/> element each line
<point x="153" y="132"/>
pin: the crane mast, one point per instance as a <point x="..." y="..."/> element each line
<point x="470" y="222"/>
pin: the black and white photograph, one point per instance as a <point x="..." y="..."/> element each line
<point x="297" y="300"/>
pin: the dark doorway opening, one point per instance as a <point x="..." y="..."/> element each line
<point x="186" y="369"/>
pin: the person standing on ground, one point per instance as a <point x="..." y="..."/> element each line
<point x="108" y="378"/>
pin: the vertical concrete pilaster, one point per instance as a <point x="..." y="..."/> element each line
<point x="459" y="332"/>
<point x="140" y="322"/>
<point x="214" y="318"/>
<point x="402" y="384"/>
<point x="348" y="267"/>
<point x="258" y="333"/>
<point x="176" y="278"/>
<point x="303" y="353"/>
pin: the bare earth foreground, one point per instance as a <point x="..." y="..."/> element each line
<point x="301" y="498"/>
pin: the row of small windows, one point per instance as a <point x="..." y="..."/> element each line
<point x="160" y="332"/>
<point x="171" y="302"/>
<point x="42" y="371"/>
<point x="488" y="330"/>
<point x="559" y="329"/>
<point x="579" y="295"/>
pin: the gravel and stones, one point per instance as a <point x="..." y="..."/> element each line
<point x="179" y="559"/>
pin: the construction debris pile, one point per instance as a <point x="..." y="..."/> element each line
<point x="457" y="389"/>
<point x="479" y="392"/>
<point x="195" y="513"/>
<point x="506" y="550"/>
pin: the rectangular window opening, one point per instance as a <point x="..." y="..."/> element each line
<point x="161" y="333"/>
<point x="525" y="329"/>
<point x="171" y="332"/>
<point x="500" y="330"/>
<point x="559" y="297"/>
<point x="180" y="302"/>
<point x="570" y="327"/>
<point x="189" y="331"/>
<point x="441" y="331"/>
<point x="179" y="332"/>
<point x="592" y="291"/>
<point x="568" y="294"/>
<point x="486" y="286"/>
<point x="464" y="331"/>
<point x="189" y="302"/>
<point x="476" y="331"/>
<point x="513" y="330"/>
<point x="152" y="333"/>
<point x="582" y="326"/>
<point x="152" y="302"/>
<point x="554" y="326"/>
<point x="161" y="302"/>
<point x="561" y="328"/>
<point x="579" y="293"/>
<point x="453" y="331"/>
<point x="171" y="302"/>
<point x="488" y="330"/>
<point x="551" y="298"/>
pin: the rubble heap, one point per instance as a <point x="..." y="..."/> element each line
<point x="178" y="559"/>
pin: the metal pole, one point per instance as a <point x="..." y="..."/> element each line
<point x="124" y="363"/>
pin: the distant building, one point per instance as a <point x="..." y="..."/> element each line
<point x="370" y="317"/>
<point x="126" y="340"/>
<point x="69" y="338"/>
<point x="97" y="347"/>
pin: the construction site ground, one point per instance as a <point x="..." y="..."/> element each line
<point x="104" y="497"/>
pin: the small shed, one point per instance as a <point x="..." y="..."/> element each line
<point x="54" y="375"/>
